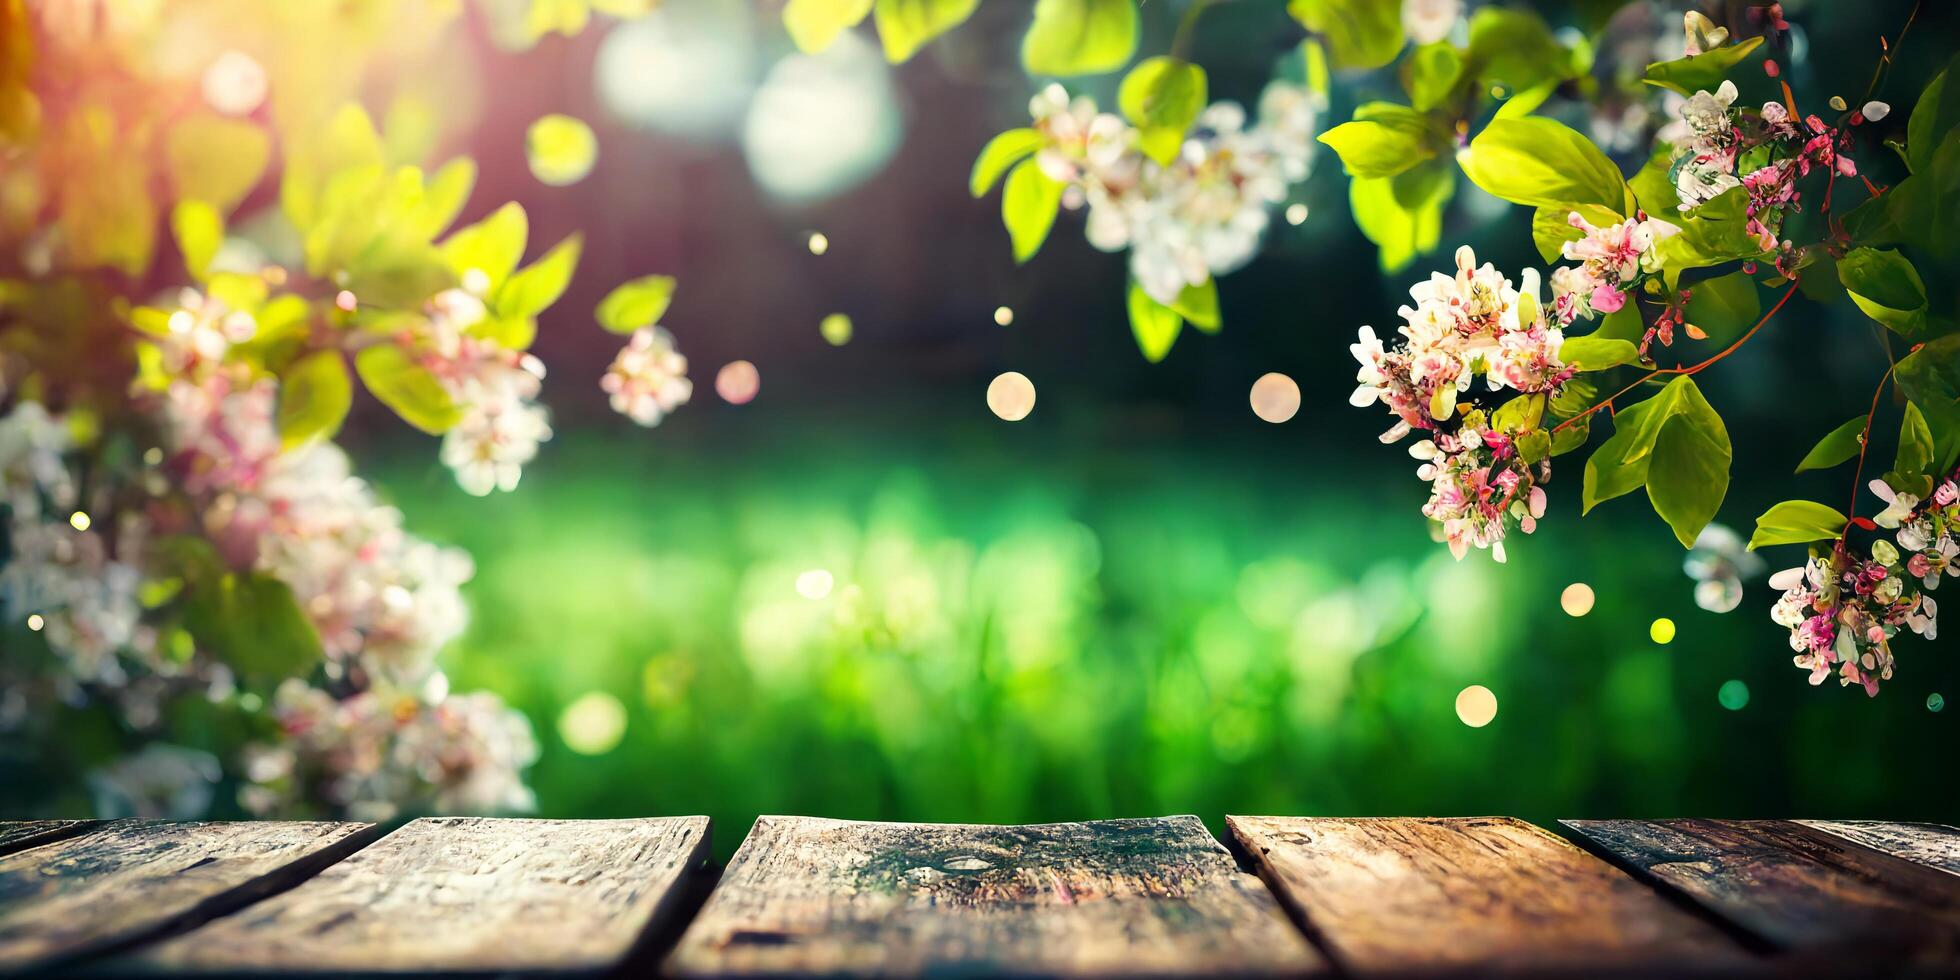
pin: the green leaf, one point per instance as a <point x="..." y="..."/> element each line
<point x="1403" y="214"/>
<point x="814" y="24"/>
<point x="1155" y="325"/>
<point x="1382" y="140"/>
<point x="1887" y="288"/>
<point x="560" y="149"/>
<point x="1701" y="72"/>
<point x="532" y="290"/>
<point x="636" y="303"/>
<point x="1933" y="117"/>
<point x="1515" y="49"/>
<point x="1917" y="452"/>
<point x="199" y="232"/>
<point x="1593" y="353"/>
<point x="1520" y="414"/>
<point x="1797" y="522"/>
<point x="1199" y="305"/>
<point x="1676" y="446"/>
<point x="1652" y="188"/>
<point x="1930" y="379"/>
<point x="1430" y="74"/>
<point x="1716" y="232"/>
<point x="905" y="26"/>
<point x="314" y="396"/>
<point x="407" y="387"/>
<point x="1000" y="153"/>
<point x="1358" y="33"/>
<point x="1571" y="437"/>
<point x="445" y="196"/>
<point x="216" y="160"/>
<point x="1027" y="207"/>
<point x="492" y="246"/>
<point x="1840" y="445"/>
<point x="1724" y="307"/>
<point x="252" y="623"/>
<point x="1080" y="37"/>
<point x="1162" y="96"/>
<point x="1539" y="161"/>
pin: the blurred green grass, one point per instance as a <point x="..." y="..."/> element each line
<point x="1120" y="633"/>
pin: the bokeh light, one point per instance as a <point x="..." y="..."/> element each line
<point x="80" y="520"/>
<point x="818" y="243"/>
<point x="1011" y="396"/>
<point x="1296" y="214"/>
<point x="836" y="328"/>
<point x="815" y="583"/>
<point x="560" y="149"/>
<point x="1662" y="631"/>
<point x="593" y="724"/>
<point x="1734" y="695"/>
<point x="1275" y="397"/>
<point x="686" y="69"/>
<point x="1576" y="600"/>
<point x="1476" y="706"/>
<point x="234" y="84"/>
<point x="35" y="622"/>
<point x="1934" y="702"/>
<point x="738" y="382"/>
<point x="822" y="123"/>
<point x="1003" y="315"/>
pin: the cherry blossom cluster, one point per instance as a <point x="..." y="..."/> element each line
<point x="1843" y="609"/>
<point x="1200" y="215"/>
<point x="1766" y="152"/>
<point x="1613" y="260"/>
<point x="648" y="377"/>
<point x="367" y="753"/>
<point x="382" y="602"/>
<point x="1475" y="322"/>
<point x="496" y="388"/>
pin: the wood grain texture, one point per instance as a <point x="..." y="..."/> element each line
<point x="1931" y="844"/>
<point x="462" y="895"/>
<point x="19" y="835"/>
<point x="1798" y="891"/>
<point x="1115" y="897"/>
<point x="1473" y="895"/>
<point x="128" y="880"/>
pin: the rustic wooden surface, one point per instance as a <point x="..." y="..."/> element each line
<point x="463" y="895"/>
<point x="1797" y="890"/>
<point x="19" y="835"/>
<point x="1115" y="897"/>
<point x="1470" y="894"/>
<point x="1931" y="844"/>
<point x="129" y="880"/>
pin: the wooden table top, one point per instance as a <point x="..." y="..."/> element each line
<point x="1290" y="896"/>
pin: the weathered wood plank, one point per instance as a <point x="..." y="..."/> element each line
<point x="19" y="835"/>
<point x="462" y="895"/>
<point x="129" y="880"/>
<point x="1471" y="894"/>
<point x="1931" y="844"/>
<point x="1111" y="897"/>
<point x="1798" y="891"/>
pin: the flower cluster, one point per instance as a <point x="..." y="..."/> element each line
<point x="367" y="753"/>
<point x="495" y="387"/>
<point x="1766" y="152"/>
<point x="1199" y="215"/>
<point x="648" y="378"/>
<point x="1842" y="609"/>
<point x="1612" y="261"/>
<point x="1475" y="322"/>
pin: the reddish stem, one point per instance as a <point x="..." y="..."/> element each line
<point x="1689" y="368"/>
